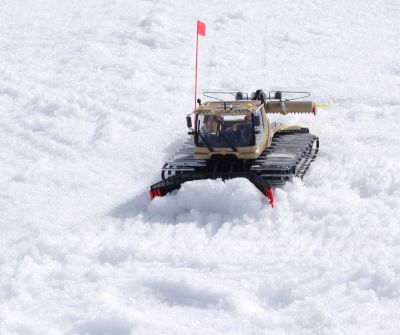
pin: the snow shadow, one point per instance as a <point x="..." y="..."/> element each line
<point x="204" y="202"/>
<point x="184" y="294"/>
<point x="105" y="325"/>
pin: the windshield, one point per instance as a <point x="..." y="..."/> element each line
<point x="225" y="131"/>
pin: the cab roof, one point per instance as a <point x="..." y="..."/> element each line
<point x="228" y="107"/>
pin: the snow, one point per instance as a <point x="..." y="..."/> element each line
<point x="93" y="97"/>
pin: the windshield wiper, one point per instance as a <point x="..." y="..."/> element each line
<point x="228" y="142"/>
<point x="208" y="145"/>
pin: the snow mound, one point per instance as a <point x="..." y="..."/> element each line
<point x="203" y="202"/>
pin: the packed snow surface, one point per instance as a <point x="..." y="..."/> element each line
<point x="93" y="96"/>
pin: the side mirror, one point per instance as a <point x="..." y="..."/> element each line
<point x="257" y="120"/>
<point x="189" y="121"/>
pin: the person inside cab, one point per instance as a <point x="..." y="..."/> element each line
<point x="243" y="130"/>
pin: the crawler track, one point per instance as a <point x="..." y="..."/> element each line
<point x="289" y="156"/>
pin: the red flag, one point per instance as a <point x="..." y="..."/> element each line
<point x="201" y="28"/>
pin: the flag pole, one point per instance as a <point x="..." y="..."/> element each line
<point x="201" y="30"/>
<point x="195" y="80"/>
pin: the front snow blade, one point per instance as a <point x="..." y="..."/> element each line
<point x="174" y="182"/>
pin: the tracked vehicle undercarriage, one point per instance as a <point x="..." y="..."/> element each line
<point x="233" y="139"/>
